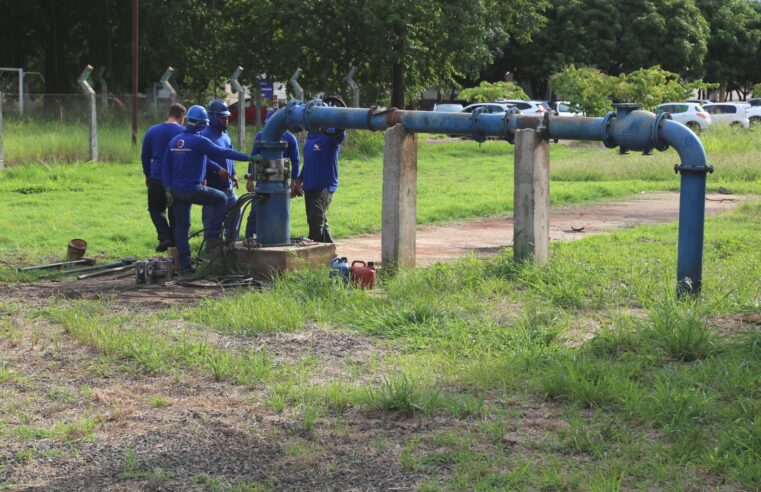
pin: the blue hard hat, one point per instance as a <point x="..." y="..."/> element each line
<point x="219" y="108"/>
<point x="197" y="115"/>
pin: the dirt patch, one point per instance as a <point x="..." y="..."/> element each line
<point x="486" y="237"/>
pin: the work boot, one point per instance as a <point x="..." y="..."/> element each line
<point x="215" y="249"/>
<point x="186" y="273"/>
<point x="163" y="246"/>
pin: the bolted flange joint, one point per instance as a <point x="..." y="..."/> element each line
<point x="680" y="169"/>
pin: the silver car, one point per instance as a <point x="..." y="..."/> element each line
<point x="689" y="114"/>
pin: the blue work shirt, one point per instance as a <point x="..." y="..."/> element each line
<point x="291" y="152"/>
<point x="320" y="170"/>
<point x="155" y="142"/>
<point x="222" y="139"/>
<point x="185" y="160"/>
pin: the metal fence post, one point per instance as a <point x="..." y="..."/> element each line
<point x="299" y="93"/>
<point x="241" y="107"/>
<point x="354" y="87"/>
<point x="2" y="151"/>
<point x="165" y="82"/>
<point x="90" y="93"/>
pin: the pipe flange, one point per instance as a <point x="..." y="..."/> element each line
<point x="280" y="145"/>
<point x="308" y="109"/>
<point x="680" y="169"/>
<point x="506" y="133"/>
<point x="477" y="135"/>
<point x="656" y="131"/>
<point x="607" y="136"/>
<point x="289" y="110"/>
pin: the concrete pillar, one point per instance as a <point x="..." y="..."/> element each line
<point x="531" y="232"/>
<point x="399" y="199"/>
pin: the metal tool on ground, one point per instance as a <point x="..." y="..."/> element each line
<point x="109" y="271"/>
<point x="60" y="264"/>
<point x="124" y="261"/>
<point x="154" y="271"/>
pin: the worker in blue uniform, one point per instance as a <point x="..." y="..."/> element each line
<point x="183" y="173"/>
<point x="319" y="179"/>
<point x="291" y="152"/>
<point x="155" y="143"/>
<point x="217" y="133"/>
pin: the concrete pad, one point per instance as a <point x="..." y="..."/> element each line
<point x="242" y="258"/>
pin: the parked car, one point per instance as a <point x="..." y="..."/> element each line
<point x="754" y="113"/>
<point x="728" y="113"/>
<point x="689" y="114"/>
<point x="566" y="109"/>
<point x="490" y="107"/>
<point x="250" y="112"/>
<point x="447" y="108"/>
<point x="532" y="108"/>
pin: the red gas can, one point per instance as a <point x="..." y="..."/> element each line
<point x="363" y="274"/>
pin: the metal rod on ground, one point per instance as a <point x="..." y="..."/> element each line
<point x="122" y="262"/>
<point x="106" y="272"/>
<point x="241" y="107"/>
<point x="165" y="83"/>
<point x="83" y="261"/>
<point x="90" y="93"/>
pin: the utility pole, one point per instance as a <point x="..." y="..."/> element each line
<point x="135" y="54"/>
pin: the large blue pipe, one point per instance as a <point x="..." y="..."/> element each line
<point x="628" y="128"/>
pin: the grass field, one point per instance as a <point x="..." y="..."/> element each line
<point x="587" y="374"/>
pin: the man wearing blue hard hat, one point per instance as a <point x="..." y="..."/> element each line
<point x="319" y="179"/>
<point x="184" y="171"/>
<point x="291" y="152"/>
<point x="217" y="133"/>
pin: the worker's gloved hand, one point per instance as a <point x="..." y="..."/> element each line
<point x="250" y="186"/>
<point x="234" y="180"/>
<point x="169" y="197"/>
<point x="296" y="188"/>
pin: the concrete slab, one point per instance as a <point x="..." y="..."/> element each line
<point x="243" y="258"/>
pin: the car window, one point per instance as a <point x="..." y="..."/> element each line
<point x="727" y="109"/>
<point x="755" y="102"/>
<point x="564" y="108"/>
<point x="678" y="108"/>
<point x="522" y="105"/>
<point x="712" y="109"/>
<point x="664" y="108"/>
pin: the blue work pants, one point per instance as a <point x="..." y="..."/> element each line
<point x="182" y="203"/>
<point x="213" y="217"/>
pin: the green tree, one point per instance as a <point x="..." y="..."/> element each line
<point x="734" y="49"/>
<point x="650" y="87"/>
<point x="486" y="91"/>
<point x="587" y="87"/>
<point x="616" y="37"/>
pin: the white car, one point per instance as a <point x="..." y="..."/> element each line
<point x="447" y="108"/>
<point x="692" y="115"/>
<point x="489" y="107"/>
<point x="754" y="112"/>
<point x="728" y="113"/>
<point x="566" y="109"/>
<point x="531" y="108"/>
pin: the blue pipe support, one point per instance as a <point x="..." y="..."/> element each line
<point x="629" y="128"/>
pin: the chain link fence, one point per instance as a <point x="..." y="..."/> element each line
<point x="53" y="128"/>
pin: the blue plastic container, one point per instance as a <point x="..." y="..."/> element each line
<point x="339" y="268"/>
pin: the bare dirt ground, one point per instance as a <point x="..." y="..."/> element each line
<point x="72" y="418"/>
<point x="489" y="236"/>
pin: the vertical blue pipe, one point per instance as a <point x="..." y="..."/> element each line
<point x="692" y="205"/>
